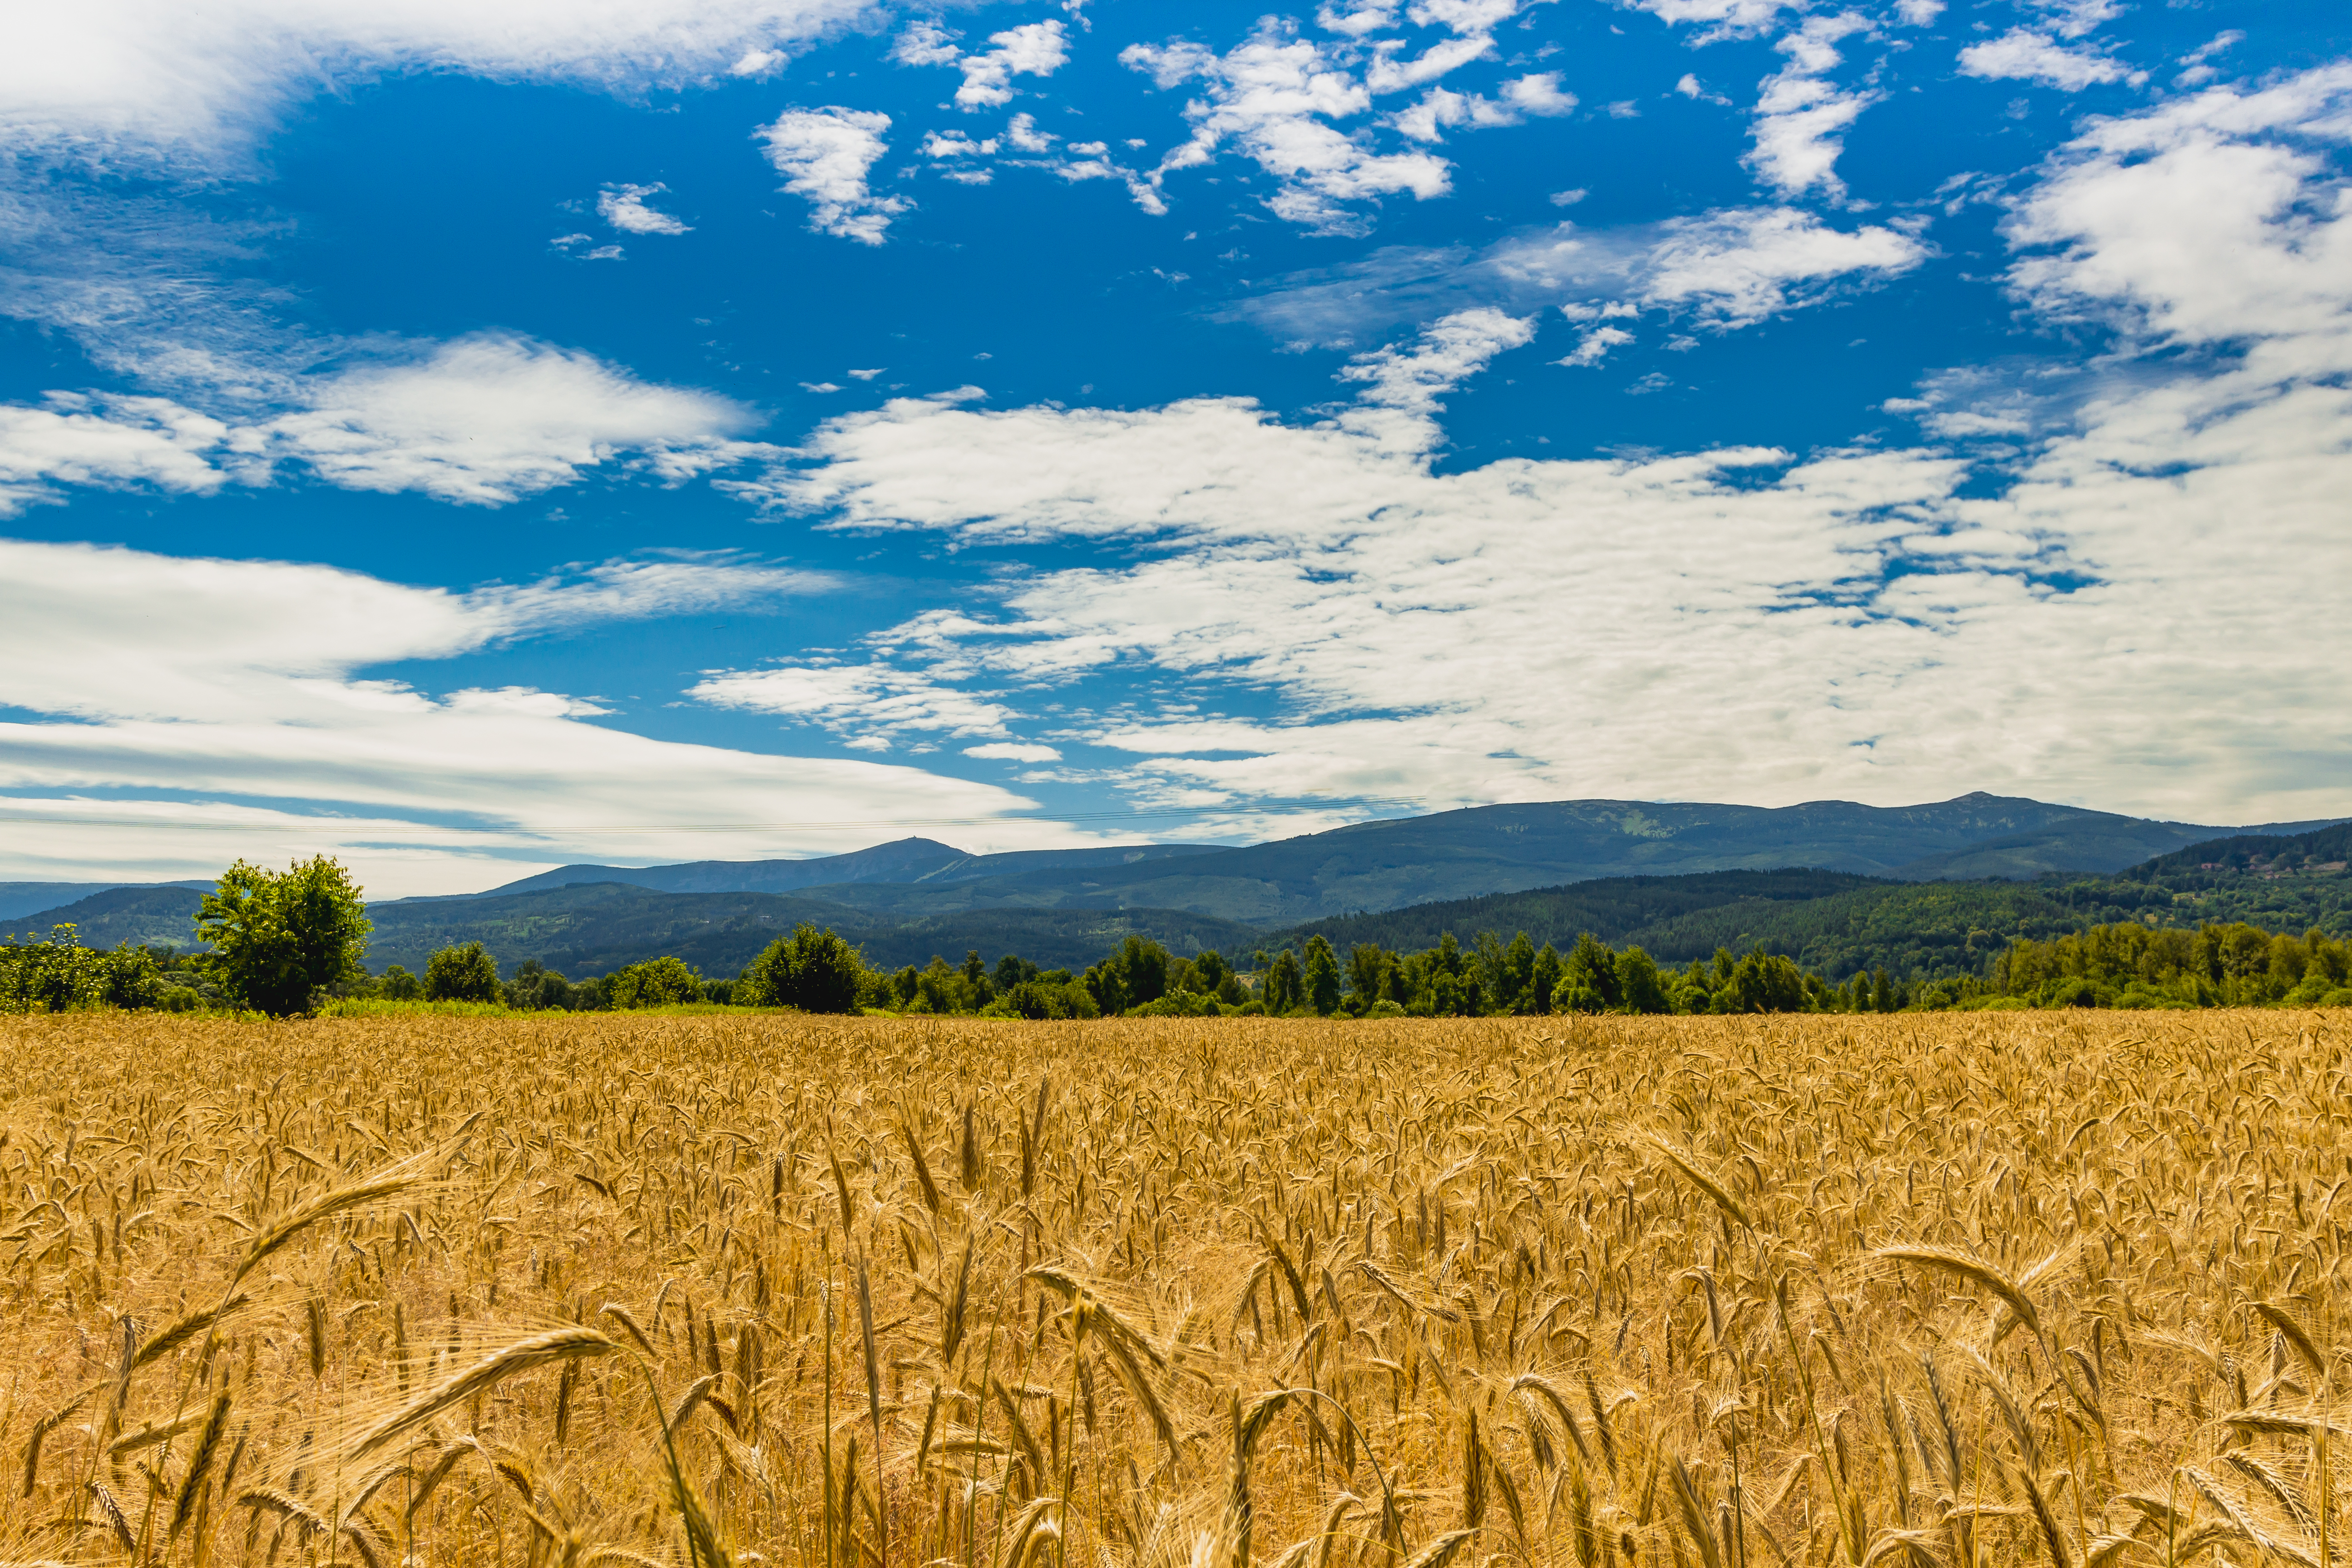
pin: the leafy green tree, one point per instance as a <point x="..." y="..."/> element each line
<point x="975" y="980"/>
<point x="277" y="937"/>
<point x="1012" y="970"/>
<point x="535" y="986"/>
<point x="1588" y="980"/>
<point x="1322" y="977"/>
<point x="1543" y="979"/>
<point x="396" y="985"/>
<point x="465" y="973"/>
<point x="656" y="982"/>
<point x="1764" y="983"/>
<point x="1645" y="989"/>
<point x="1285" y="986"/>
<point x="814" y="970"/>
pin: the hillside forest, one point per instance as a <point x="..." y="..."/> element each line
<point x="289" y="943"/>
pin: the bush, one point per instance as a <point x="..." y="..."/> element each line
<point x="61" y="975"/>
<point x="1187" y="1005"/>
<point x="1384" y="1009"/>
<point x="464" y="973"/>
<point x="1041" y="999"/>
<point x="813" y="970"/>
<point x="656" y="982"/>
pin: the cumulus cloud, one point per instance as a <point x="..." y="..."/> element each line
<point x="1013" y="752"/>
<point x="2022" y="54"/>
<point x="1275" y="99"/>
<point x="240" y="688"/>
<point x="1522" y="96"/>
<point x="1800" y="116"/>
<point x="156" y="81"/>
<point x="1037" y="48"/>
<point x="825" y="155"/>
<point x="623" y="207"/>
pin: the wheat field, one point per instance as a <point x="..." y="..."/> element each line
<point x="1977" y="1289"/>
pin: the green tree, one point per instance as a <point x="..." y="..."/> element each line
<point x="465" y="973"/>
<point x="1543" y="978"/>
<point x="656" y="982"/>
<point x="396" y="985"/>
<point x="279" y="936"/>
<point x="814" y="970"/>
<point x="1588" y="980"/>
<point x="1321" y="979"/>
<point x="1644" y="987"/>
<point x="1285" y="987"/>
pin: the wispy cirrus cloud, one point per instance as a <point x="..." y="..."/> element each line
<point x="1722" y="271"/>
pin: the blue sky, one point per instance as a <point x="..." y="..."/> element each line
<point x="469" y="437"/>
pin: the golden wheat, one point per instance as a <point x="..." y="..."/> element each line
<point x="1956" y="1291"/>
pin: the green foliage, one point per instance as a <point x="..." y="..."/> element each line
<point x="279" y="938"/>
<point x="463" y="974"/>
<point x="2130" y="965"/>
<point x="396" y="985"/>
<point x="813" y="970"/>
<point x="535" y="988"/>
<point x="1321" y="977"/>
<point x="1285" y="988"/>
<point x="60" y="975"/>
<point x="657" y="982"/>
<point x="1129" y="977"/>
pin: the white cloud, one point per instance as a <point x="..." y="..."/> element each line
<point x="623" y="207"/>
<point x="1737" y="268"/>
<point x="825" y="155"/>
<point x="1799" y="118"/>
<point x="239" y="688"/>
<point x="869" y="700"/>
<point x="1409" y="381"/>
<point x="114" y="442"/>
<point x="179" y="84"/>
<point x="925" y="44"/>
<point x="1595" y="344"/>
<point x="1522" y="96"/>
<point x="489" y="418"/>
<point x="1037" y="48"/>
<point x="1273" y="98"/>
<point x="2026" y="55"/>
<point x="1013" y="752"/>
<point x="1726" y="269"/>
<point x="1729" y="18"/>
<point x="2211" y="219"/>
<point x="485" y="419"/>
<point x="1865" y="623"/>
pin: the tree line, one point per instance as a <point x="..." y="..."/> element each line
<point x="293" y="941"/>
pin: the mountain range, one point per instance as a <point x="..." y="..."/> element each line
<point x="1616" y="867"/>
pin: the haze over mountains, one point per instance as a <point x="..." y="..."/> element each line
<point x="906" y="899"/>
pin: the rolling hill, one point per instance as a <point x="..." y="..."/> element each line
<point x="1393" y="864"/>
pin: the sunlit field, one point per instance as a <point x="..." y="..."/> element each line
<point x="1961" y="1290"/>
